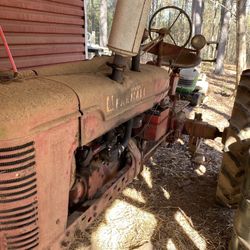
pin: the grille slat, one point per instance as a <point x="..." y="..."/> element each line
<point x="18" y="200"/>
<point x="18" y="214"/>
<point x="18" y="179"/>
<point x="29" y="243"/>
<point x="18" y="209"/>
<point x="18" y="226"/>
<point x="17" y="221"/>
<point x="17" y="155"/>
<point x="11" y="163"/>
<point x="18" y="186"/>
<point x="33" y="246"/>
<point x="21" y="236"/>
<point x="4" y="150"/>
<point x="21" y="192"/>
<point x="23" y="240"/>
<point x="10" y="170"/>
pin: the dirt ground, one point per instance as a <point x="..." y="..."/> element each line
<point x="172" y="204"/>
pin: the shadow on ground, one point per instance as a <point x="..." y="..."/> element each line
<point x="171" y="204"/>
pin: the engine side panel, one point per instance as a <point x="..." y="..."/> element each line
<point x="106" y="104"/>
<point x="55" y="153"/>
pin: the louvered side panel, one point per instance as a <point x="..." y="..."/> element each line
<point x="42" y="32"/>
<point x="18" y="197"/>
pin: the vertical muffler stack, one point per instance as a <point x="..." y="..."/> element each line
<point x="127" y="31"/>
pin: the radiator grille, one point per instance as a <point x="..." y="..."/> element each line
<point x="18" y="197"/>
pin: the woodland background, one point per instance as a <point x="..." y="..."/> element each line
<point x="215" y="19"/>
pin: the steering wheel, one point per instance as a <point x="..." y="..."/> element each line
<point x="166" y="31"/>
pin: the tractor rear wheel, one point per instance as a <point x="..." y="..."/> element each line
<point x="241" y="233"/>
<point x="234" y="179"/>
<point x="237" y="143"/>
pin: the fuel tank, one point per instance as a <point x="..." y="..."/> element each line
<point x="45" y="115"/>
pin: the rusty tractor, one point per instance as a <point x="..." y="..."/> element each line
<point x="72" y="136"/>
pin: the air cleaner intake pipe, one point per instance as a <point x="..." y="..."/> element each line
<point x="127" y="31"/>
<point x="118" y="67"/>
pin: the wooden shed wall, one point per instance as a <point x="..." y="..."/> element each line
<point x="42" y="32"/>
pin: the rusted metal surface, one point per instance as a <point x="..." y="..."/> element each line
<point x="174" y="79"/>
<point x="172" y="55"/>
<point x="78" y="191"/>
<point x="102" y="107"/>
<point x="35" y="184"/>
<point x="118" y="67"/>
<point x="18" y="196"/>
<point x="156" y="124"/>
<point x="55" y="151"/>
<point x="107" y="194"/>
<point x="72" y="127"/>
<point x="151" y="151"/>
<point x="48" y="115"/>
<point x="29" y="106"/>
<point x="62" y="109"/>
<point x="91" y="179"/>
<point x="201" y="129"/>
<point x="101" y="173"/>
<point x="106" y="102"/>
<point x="42" y="32"/>
<point x="35" y="178"/>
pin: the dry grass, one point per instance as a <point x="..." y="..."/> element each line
<point x="171" y="205"/>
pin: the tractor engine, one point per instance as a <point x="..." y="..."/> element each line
<point x="100" y="162"/>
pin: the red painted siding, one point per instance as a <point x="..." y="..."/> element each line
<point x="42" y="32"/>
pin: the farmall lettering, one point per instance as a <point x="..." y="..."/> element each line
<point x="115" y="102"/>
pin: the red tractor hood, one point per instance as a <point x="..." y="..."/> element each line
<point x="79" y="89"/>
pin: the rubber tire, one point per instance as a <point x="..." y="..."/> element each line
<point x="237" y="142"/>
<point x="241" y="232"/>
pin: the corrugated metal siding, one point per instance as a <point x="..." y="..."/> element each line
<point x="42" y="32"/>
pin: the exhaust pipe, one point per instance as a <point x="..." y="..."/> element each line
<point x="127" y="31"/>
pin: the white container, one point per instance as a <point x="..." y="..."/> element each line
<point x="128" y="26"/>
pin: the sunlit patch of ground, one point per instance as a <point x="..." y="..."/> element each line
<point x="171" y="205"/>
<point x="136" y="229"/>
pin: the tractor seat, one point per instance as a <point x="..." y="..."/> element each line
<point x="175" y="56"/>
<point x="183" y="60"/>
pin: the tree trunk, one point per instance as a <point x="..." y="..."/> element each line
<point x="103" y="23"/>
<point x="241" y="38"/>
<point x="223" y="36"/>
<point x="92" y="8"/>
<point x="93" y="22"/>
<point x="197" y="16"/>
<point x="211" y="50"/>
<point x="154" y="7"/>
